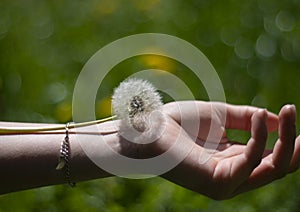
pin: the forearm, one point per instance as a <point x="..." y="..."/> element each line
<point x="30" y="160"/>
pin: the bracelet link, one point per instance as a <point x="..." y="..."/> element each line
<point x="64" y="154"/>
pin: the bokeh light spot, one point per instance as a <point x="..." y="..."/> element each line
<point x="244" y="48"/>
<point x="266" y="46"/>
<point x="158" y="62"/>
<point x="56" y="92"/>
<point x="285" y="21"/>
<point x="106" y="7"/>
<point x="229" y="35"/>
<point x="63" y="112"/>
<point x="103" y="107"/>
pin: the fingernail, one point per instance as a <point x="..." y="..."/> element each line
<point x="291" y="107"/>
<point x="292" y="110"/>
<point x="264" y="111"/>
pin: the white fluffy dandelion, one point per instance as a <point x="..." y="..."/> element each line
<point x="134" y="101"/>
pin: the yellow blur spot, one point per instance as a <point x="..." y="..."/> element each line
<point x="106" y="7"/>
<point x="103" y="107"/>
<point x="159" y="62"/>
<point x="63" y="112"/>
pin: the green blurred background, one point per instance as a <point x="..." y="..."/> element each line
<point x="254" y="46"/>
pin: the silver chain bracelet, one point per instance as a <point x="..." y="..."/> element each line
<point x="64" y="155"/>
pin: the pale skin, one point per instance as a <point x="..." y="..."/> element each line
<point x="29" y="160"/>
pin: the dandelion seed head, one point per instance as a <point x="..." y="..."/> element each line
<point x="133" y="101"/>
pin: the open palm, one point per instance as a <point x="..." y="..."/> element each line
<point x="230" y="168"/>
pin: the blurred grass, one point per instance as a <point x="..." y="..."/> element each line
<point x="254" y="46"/>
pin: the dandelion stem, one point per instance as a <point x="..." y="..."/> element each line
<point x="20" y="130"/>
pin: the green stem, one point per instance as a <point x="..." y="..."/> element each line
<point x="19" y="130"/>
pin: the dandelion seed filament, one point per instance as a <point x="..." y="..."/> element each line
<point x="133" y="102"/>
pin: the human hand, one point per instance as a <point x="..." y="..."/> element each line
<point x="232" y="168"/>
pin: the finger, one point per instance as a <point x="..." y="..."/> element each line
<point x="255" y="146"/>
<point x="266" y="172"/>
<point x="284" y="147"/>
<point x="239" y="117"/>
<point x="259" y="134"/>
<point x="276" y="164"/>
<point x="295" y="161"/>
